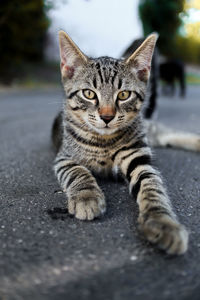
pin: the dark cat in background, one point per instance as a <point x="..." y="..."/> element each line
<point x="170" y="72"/>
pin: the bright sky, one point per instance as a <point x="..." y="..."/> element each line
<point x="194" y="15"/>
<point x="99" y="27"/>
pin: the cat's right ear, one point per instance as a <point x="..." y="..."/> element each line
<point x="71" y="56"/>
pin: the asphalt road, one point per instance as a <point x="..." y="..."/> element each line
<point x="47" y="254"/>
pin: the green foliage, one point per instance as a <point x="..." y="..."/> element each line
<point x="23" y="26"/>
<point x="162" y="16"/>
<point x="188" y="49"/>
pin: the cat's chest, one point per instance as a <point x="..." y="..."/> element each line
<point x="97" y="160"/>
<point x="96" y="153"/>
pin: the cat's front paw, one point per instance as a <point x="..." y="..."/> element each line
<point x="87" y="206"/>
<point x="167" y="234"/>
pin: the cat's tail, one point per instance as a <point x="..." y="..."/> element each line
<point x="162" y="136"/>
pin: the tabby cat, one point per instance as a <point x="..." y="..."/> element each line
<point x="100" y="130"/>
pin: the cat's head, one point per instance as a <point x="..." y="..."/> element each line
<point x="104" y="94"/>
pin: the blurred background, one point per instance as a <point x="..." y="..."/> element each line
<point x="29" y="55"/>
<point x="44" y="253"/>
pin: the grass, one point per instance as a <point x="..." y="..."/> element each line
<point x="193" y="79"/>
<point x="37" y="75"/>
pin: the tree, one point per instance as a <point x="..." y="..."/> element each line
<point x="188" y="41"/>
<point x="162" y="16"/>
<point x="23" y="26"/>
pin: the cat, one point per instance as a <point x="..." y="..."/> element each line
<point x="169" y="72"/>
<point x="100" y="130"/>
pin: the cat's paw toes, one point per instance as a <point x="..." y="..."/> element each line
<point x="87" y="209"/>
<point x="167" y="234"/>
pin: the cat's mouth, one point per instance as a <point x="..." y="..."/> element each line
<point x="105" y="130"/>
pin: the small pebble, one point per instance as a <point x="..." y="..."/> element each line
<point x="65" y="268"/>
<point x="56" y="271"/>
<point x="92" y="256"/>
<point x="73" y="226"/>
<point x="37" y="281"/>
<point x="133" y="257"/>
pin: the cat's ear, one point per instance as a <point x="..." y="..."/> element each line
<point x="140" y="60"/>
<point x="71" y="56"/>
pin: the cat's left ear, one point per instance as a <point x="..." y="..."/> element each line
<point x="140" y="60"/>
<point x="71" y="57"/>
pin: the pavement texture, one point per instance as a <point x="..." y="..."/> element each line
<point x="47" y="254"/>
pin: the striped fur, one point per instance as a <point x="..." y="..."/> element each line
<point x="114" y="142"/>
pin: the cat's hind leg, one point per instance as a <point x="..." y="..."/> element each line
<point x="162" y="136"/>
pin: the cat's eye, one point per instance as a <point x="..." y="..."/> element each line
<point x="123" y="95"/>
<point x="89" y="94"/>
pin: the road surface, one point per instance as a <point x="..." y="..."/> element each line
<point x="47" y="254"/>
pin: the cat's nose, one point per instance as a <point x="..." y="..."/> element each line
<point x="107" y="118"/>
<point x="107" y="113"/>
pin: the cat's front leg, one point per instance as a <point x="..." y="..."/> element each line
<point x="156" y="218"/>
<point x="85" y="198"/>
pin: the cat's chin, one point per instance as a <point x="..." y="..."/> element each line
<point x="104" y="130"/>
